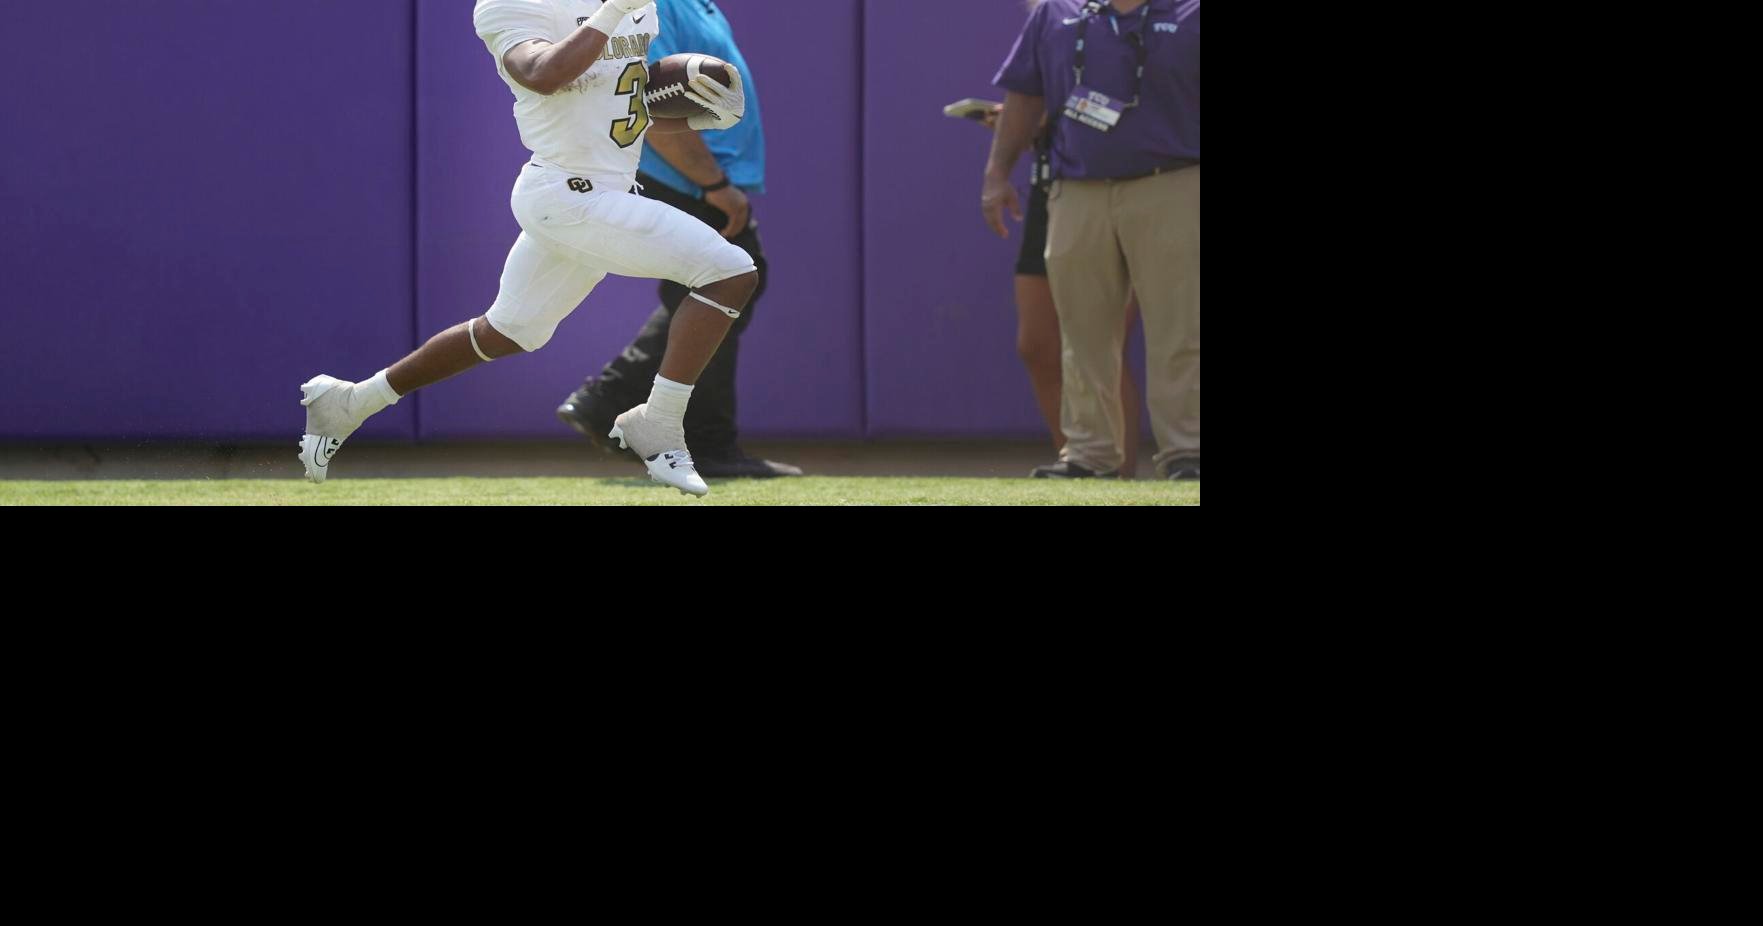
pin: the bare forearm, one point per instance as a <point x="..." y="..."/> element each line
<point x="547" y="69"/>
<point x="689" y="155"/>
<point x="670" y="127"/>
<point x="1016" y="131"/>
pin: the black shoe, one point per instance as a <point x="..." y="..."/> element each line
<point x="738" y="465"/>
<point x="591" y="416"/>
<point x="1185" y="469"/>
<point x="1068" y="470"/>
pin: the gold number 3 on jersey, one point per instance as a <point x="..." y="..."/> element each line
<point x="634" y="83"/>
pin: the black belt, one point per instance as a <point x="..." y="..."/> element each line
<point x="1169" y="168"/>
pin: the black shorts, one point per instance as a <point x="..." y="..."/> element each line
<point x="1033" y="260"/>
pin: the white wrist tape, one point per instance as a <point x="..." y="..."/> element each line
<point x="606" y="19"/>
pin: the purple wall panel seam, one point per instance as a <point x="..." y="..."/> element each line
<point x="862" y="227"/>
<point x="415" y="204"/>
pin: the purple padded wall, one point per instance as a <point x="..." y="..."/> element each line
<point x="212" y="201"/>
<point x="185" y="236"/>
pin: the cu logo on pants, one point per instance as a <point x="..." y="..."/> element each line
<point x="580" y="186"/>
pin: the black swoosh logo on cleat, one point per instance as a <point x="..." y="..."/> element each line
<point x="639" y="19"/>
<point x="654" y="458"/>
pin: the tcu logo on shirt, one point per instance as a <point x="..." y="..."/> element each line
<point x="581" y="186"/>
<point x="1167" y="27"/>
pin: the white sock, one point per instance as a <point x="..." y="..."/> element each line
<point x="667" y="403"/>
<point x="373" y="396"/>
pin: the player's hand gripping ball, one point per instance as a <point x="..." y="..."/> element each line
<point x="703" y="89"/>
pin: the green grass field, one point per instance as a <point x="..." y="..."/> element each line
<point x="811" y="491"/>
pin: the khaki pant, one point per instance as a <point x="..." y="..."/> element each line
<point x="1104" y="240"/>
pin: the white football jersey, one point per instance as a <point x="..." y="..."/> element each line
<point x="595" y="126"/>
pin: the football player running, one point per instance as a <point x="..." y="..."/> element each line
<point x="578" y="74"/>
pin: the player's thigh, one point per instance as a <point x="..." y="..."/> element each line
<point x="541" y="286"/>
<point x="636" y="237"/>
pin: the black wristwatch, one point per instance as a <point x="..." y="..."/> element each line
<point x="722" y="184"/>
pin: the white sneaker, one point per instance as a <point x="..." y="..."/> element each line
<point x="328" y="424"/>
<point x="663" y="450"/>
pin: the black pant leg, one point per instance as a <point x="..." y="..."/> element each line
<point x="626" y="381"/>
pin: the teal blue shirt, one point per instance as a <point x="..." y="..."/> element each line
<point x="698" y="26"/>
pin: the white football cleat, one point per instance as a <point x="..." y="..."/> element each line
<point x="663" y="451"/>
<point x="328" y="424"/>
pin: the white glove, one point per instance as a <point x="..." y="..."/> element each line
<point x="726" y="105"/>
<point x="613" y="12"/>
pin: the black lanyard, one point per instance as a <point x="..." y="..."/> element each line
<point x="1137" y="39"/>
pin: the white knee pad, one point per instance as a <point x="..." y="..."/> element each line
<point x="722" y="263"/>
<point x="541" y="286"/>
<point x="531" y="335"/>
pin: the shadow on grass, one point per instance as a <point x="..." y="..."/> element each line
<point x="635" y="482"/>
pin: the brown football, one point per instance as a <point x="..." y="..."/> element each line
<point x="669" y="78"/>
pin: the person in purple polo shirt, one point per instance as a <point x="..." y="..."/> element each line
<point x="1121" y="83"/>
